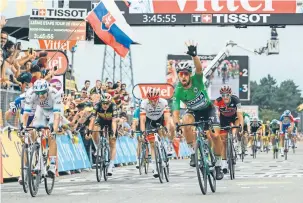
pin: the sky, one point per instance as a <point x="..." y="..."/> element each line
<point x="149" y="58"/>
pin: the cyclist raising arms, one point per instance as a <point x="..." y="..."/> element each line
<point x="230" y="110"/>
<point x="192" y="91"/>
<point x="105" y="114"/>
<point x="287" y="123"/>
<point x="154" y="110"/>
<point x="274" y="127"/>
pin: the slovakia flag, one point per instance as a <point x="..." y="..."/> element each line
<point x="110" y="25"/>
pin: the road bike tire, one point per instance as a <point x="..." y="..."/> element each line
<point x="99" y="163"/>
<point x="293" y="146"/>
<point x="49" y="189"/>
<point x="166" y="164"/>
<point x="106" y="160"/>
<point x="24" y="168"/>
<point x="146" y="160"/>
<point x="159" y="165"/>
<point x="285" y="148"/>
<point x="141" y="159"/>
<point x="255" y="148"/>
<point x="212" y="172"/>
<point x="231" y="158"/>
<point x="242" y="147"/>
<point x="34" y="178"/>
<point x="201" y="167"/>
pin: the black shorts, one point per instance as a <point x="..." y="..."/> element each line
<point x="245" y="128"/>
<point x="102" y="123"/>
<point x="205" y="114"/>
<point x="225" y="121"/>
<point x="152" y="124"/>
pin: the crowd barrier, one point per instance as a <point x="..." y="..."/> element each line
<point x="70" y="156"/>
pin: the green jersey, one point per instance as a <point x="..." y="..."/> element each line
<point x="195" y="98"/>
<point x="246" y="118"/>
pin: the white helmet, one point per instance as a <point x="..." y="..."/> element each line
<point x="106" y="97"/>
<point x="40" y="85"/>
<point x="184" y="66"/>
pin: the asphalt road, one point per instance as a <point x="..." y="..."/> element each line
<point x="262" y="180"/>
<point x="217" y="83"/>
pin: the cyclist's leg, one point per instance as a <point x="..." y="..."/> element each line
<point x="189" y="135"/>
<point x="112" y="148"/>
<point x="282" y="138"/>
<point x="223" y="134"/>
<point x="169" y="124"/>
<point x="237" y="135"/>
<point x="150" y="124"/>
<point x="218" y="145"/>
<point x="97" y="127"/>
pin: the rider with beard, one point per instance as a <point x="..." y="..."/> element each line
<point x="192" y="91"/>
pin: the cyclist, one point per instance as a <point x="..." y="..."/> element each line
<point x="294" y="135"/>
<point x="154" y="110"/>
<point x="48" y="112"/>
<point x="15" y="106"/>
<point x="246" y="129"/>
<point x="191" y="91"/>
<point x="255" y="127"/>
<point x="266" y="134"/>
<point x="230" y="112"/>
<point x="105" y="114"/>
<point x="286" y="124"/>
<point x="274" y="129"/>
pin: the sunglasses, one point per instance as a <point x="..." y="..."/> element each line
<point x="181" y="74"/>
<point x="84" y="92"/>
<point x="225" y="95"/>
<point x="41" y="93"/>
<point x="105" y="103"/>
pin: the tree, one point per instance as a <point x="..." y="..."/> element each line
<point x="268" y="115"/>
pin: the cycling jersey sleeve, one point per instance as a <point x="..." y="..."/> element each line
<point x="95" y="109"/>
<point x="237" y="102"/>
<point x="198" y="78"/>
<point x="57" y="103"/>
<point x="176" y="100"/>
<point x="292" y="119"/>
<point x="136" y="114"/>
<point x="166" y="108"/>
<point x="28" y="103"/>
<point x="281" y="118"/>
<point x="143" y="107"/>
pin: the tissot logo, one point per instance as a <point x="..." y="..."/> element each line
<point x="241" y="18"/>
<point x="202" y="18"/>
<point x="60" y="13"/>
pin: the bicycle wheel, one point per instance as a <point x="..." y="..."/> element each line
<point x="49" y="179"/>
<point x="293" y="146"/>
<point x="24" y="167"/>
<point x="166" y="164"/>
<point x="285" y="148"/>
<point x="201" y="167"/>
<point x="159" y="163"/>
<point x="255" y="148"/>
<point x="106" y="160"/>
<point x="242" y="147"/>
<point x="141" y="158"/>
<point x="34" y="172"/>
<point x="231" y="160"/>
<point x="212" y="172"/>
<point x="99" y="163"/>
<point x="146" y="159"/>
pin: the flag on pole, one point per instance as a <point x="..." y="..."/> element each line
<point x="110" y="25"/>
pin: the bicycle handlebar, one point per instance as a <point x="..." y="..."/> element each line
<point x="209" y="122"/>
<point x="231" y="127"/>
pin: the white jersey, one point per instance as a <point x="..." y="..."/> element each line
<point x="53" y="102"/>
<point x="151" y="112"/>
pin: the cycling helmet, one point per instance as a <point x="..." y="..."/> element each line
<point x="287" y="113"/>
<point x="184" y="66"/>
<point x="153" y="94"/>
<point x="40" y="85"/>
<point x="275" y="121"/>
<point x="255" y="119"/>
<point x="225" y="89"/>
<point x="106" y="97"/>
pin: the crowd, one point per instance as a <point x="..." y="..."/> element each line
<point x="20" y="71"/>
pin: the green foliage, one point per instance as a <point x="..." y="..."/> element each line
<point x="273" y="99"/>
<point x="268" y="115"/>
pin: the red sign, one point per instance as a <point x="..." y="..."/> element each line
<point x="57" y="44"/>
<point x="224" y="6"/>
<point x="166" y="90"/>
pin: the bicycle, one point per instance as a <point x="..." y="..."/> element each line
<point x="160" y="154"/>
<point x="38" y="163"/>
<point x="243" y="146"/>
<point x="266" y="147"/>
<point x="103" y="155"/>
<point x="205" y="159"/>
<point x="293" y="142"/>
<point x="27" y="144"/>
<point x="286" y="145"/>
<point x="144" y="154"/>
<point x="275" y="145"/>
<point x="254" y="146"/>
<point x="230" y="151"/>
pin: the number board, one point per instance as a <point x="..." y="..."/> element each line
<point x="237" y="74"/>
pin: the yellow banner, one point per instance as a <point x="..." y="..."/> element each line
<point x="11" y="155"/>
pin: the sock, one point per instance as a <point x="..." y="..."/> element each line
<point x="52" y="159"/>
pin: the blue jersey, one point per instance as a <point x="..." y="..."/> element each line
<point x="286" y="121"/>
<point x="19" y="103"/>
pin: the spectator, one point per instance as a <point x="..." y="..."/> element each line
<point x="124" y="128"/>
<point x="123" y="86"/>
<point x="4" y="38"/>
<point x="110" y="89"/>
<point x="86" y="85"/>
<point x="36" y="73"/>
<point x="83" y="98"/>
<point x="104" y="88"/>
<point x="118" y="84"/>
<point x="97" y="88"/>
